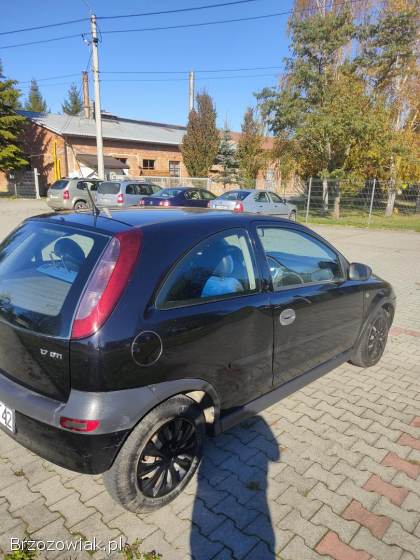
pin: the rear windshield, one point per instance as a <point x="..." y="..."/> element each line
<point x="234" y="195"/>
<point x="168" y="193"/>
<point x="59" y="185"/>
<point x="43" y="269"/>
<point x="109" y="188"/>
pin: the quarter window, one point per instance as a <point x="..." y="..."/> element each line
<point x="296" y="258"/>
<point x="220" y="267"/>
<point x="275" y="198"/>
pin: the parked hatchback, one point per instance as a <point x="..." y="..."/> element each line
<point x="125" y="340"/>
<point x="122" y="194"/>
<point x="257" y="201"/>
<point x="180" y="196"/>
<point x="70" y="194"/>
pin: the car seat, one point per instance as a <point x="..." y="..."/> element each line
<point x="70" y="253"/>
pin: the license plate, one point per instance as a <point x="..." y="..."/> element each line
<point x="220" y="207"/>
<point x="7" y="417"/>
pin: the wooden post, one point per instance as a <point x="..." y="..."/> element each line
<point x="309" y="199"/>
<point x="371" y="201"/>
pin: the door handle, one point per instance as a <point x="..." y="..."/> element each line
<point x="306" y="300"/>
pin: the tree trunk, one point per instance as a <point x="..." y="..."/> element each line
<point x="336" y="213"/>
<point x="325" y="196"/>
<point x="391" y="201"/>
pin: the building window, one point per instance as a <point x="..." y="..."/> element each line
<point x="148" y="164"/>
<point x="175" y="168"/>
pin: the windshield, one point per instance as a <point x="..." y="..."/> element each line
<point x="43" y="269"/>
<point x="109" y="188"/>
<point x="168" y="193"/>
<point x="59" y="185"/>
<point x="234" y="195"/>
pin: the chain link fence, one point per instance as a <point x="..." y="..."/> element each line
<point x="370" y="202"/>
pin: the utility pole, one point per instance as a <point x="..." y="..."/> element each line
<point x="191" y="92"/>
<point x="95" y="69"/>
<point x="86" y="102"/>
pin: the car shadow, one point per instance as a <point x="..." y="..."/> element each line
<point x="231" y="513"/>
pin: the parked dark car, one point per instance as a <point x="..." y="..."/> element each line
<point x="179" y="196"/>
<point x="124" y="340"/>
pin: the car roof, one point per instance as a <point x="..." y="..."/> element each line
<point x="124" y="219"/>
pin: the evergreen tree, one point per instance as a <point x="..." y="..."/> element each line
<point x="201" y="141"/>
<point x="73" y="104"/>
<point x="226" y="159"/>
<point x="251" y="156"/>
<point x="11" y="154"/>
<point x="35" y="101"/>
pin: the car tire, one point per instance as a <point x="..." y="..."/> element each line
<point x="292" y="216"/>
<point x="80" y="205"/>
<point x="372" y="341"/>
<point x="169" y="431"/>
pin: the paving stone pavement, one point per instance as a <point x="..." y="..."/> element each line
<point x="331" y="472"/>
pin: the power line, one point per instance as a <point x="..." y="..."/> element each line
<point x="179" y="10"/>
<point x="186" y="79"/>
<point x="52" y="78"/>
<point x="186" y="71"/>
<point x="168" y="27"/>
<point x="201" y="24"/>
<point x="46" y="26"/>
<point x="41" y="41"/>
<point x="210" y="71"/>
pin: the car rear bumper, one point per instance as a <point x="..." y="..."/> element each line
<point x="87" y="454"/>
<point x="59" y="204"/>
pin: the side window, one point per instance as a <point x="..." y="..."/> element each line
<point x="81" y="185"/>
<point x="143" y="190"/>
<point x="93" y="187"/>
<point x="207" y="195"/>
<point x="192" y="195"/>
<point x="261" y="197"/>
<point x="131" y="189"/>
<point x="275" y="198"/>
<point x="219" y="267"/>
<point x="296" y="258"/>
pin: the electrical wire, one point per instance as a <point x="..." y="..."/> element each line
<point x="186" y="79"/>
<point x="164" y="28"/>
<point x="46" y="26"/>
<point x="186" y="71"/>
<point x="179" y="10"/>
<point x="52" y="78"/>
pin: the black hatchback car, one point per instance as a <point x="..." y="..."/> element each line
<point x="124" y="340"/>
<point x="179" y="196"/>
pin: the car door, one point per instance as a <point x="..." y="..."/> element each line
<point x="214" y="320"/>
<point x="132" y="194"/>
<point x="317" y="312"/>
<point x="193" y="198"/>
<point x="261" y="203"/>
<point x="278" y="205"/>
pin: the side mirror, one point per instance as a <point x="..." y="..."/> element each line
<point x="359" y="271"/>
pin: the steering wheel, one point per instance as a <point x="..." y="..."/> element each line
<point x="281" y="271"/>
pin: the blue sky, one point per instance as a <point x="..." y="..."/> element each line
<point x="235" y="45"/>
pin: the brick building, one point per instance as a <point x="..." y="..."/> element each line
<point x="65" y="146"/>
<point x="130" y="147"/>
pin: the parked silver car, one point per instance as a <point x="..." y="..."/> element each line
<point x="70" y="193"/>
<point x="257" y="201"/>
<point x="121" y="194"/>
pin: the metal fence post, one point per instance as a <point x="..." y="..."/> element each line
<point x="309" y="200"/>
<point x="37" y="195"/>
<point x="371" y="201"/>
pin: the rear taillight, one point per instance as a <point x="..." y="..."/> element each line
<point x="66" y="195"/>
<point x="107" y="283"/>
<point x="164" y="203"/>
<point x="141" y="202"/>
<point x="239" y="207"/>
<point x="77" y="425"/>
<point x="120" y="199"/>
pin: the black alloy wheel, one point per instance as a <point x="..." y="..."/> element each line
<point x="167" y="458"/>
<point x="377" y="337"/>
